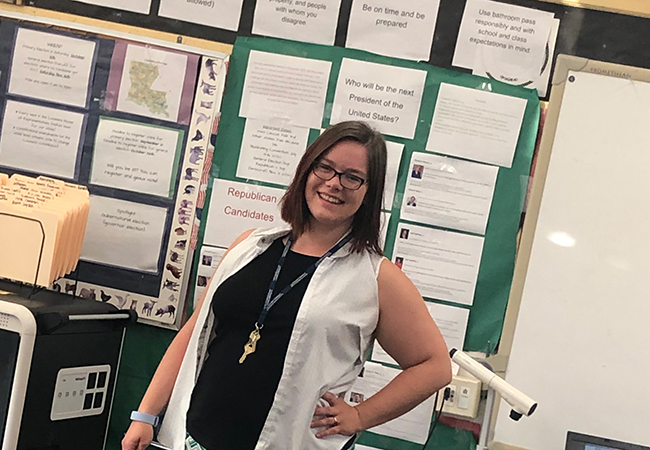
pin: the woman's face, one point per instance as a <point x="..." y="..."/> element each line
<point x="328" y="201"/>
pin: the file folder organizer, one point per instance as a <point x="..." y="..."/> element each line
<point x="43" y="222"/>
<point x="59" y="359"/>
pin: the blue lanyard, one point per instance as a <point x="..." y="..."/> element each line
<point x="269" y="302"/>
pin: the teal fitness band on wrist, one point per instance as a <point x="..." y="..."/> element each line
<point x="145" y="418"/>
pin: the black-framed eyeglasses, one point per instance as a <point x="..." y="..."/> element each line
<point x="326" y="172"/>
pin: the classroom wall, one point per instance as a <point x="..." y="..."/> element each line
<point x="137" y="368"/>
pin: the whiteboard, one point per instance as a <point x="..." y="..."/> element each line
<point x="581" y="343"/>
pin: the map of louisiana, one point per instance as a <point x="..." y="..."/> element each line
<point x="142" y="76"/>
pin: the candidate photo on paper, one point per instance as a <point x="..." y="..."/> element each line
<point x="412" y="201"/>
<point x="356" y="397"/>
<point x="404" y="233"/>
<point x="207" y="260"/>
<point x="399" y="261"/>
<point x="417" y="171"/>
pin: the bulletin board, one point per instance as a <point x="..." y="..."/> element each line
<point x="130" y="121"/>
<point x="594" y="34"/>
<point x="498" y="254"/>
<point x="581" y="281"/>
<point x="497" y="261"/>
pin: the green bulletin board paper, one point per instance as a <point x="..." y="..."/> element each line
<point x="144" y="347"/>
<point x="497" y="263"/>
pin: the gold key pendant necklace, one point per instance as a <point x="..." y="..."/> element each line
<point x="255" y="335"/>
<point x="251" y="345"/>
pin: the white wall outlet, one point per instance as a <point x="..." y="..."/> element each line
<point x="464" y="397"/>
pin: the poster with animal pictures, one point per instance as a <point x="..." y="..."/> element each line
<point x="163" y="307"/>
<point x="135" y="128"/>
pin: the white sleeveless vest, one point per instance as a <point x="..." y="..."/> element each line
<point x="327" y="349"/>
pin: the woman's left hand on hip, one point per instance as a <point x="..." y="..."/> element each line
<point x="338" y="418"/>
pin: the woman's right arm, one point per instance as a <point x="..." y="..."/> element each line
<point x="139" y="434"/>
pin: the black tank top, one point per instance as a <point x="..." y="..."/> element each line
<point x="231" y="401"/>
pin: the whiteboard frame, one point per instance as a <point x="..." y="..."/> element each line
<point x="564" y="64"/>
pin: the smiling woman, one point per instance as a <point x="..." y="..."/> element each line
<point x="354" y="149"/>
<point x="318" y="293"/>
<point x="331" y="202"/>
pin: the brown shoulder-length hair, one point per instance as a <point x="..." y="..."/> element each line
<point x="366" y="222"/>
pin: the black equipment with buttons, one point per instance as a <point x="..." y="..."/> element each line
<point x="59" y="359"/>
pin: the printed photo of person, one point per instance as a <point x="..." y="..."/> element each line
<point x="399" y="261"/>
<point x="417" y="171"/>
<point x="412" y="201"/>
<point x="201" y="281"/>
<point x="404" y="233"/>
<point x="207" y="260"/>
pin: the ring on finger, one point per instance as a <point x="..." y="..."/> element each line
<point x="336" y="421"/>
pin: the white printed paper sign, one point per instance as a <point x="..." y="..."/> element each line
<point x="40" y="139"/>
<point x="541" y="77"/>
<point x="449" y="192"/>
<point x="443" y="265"/>
<point x="271" y="153"/>
<point x="152" y="82"/>
<point x="51" y="67"/>
<point x="136" y="6"/>
<point x="384" y="220"/>
<point x="504" y="40"/>
<point x="210" y="258"/>
<point x="399" y="29"/>
<point x="394" y="152"/>
<point x="285" y="89"/>
<point x="213" y="13"/>
<point x="412" y="426"/>
<point x="387" y="97"/>
<point x="474" y="124"/>
<point x="299" y="20"/>
<point x="135" y="157"/>
<point x="237" y="207"/>
<point x="124" y="234"/>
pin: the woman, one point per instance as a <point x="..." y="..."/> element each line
<point x="280" y="360"/>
